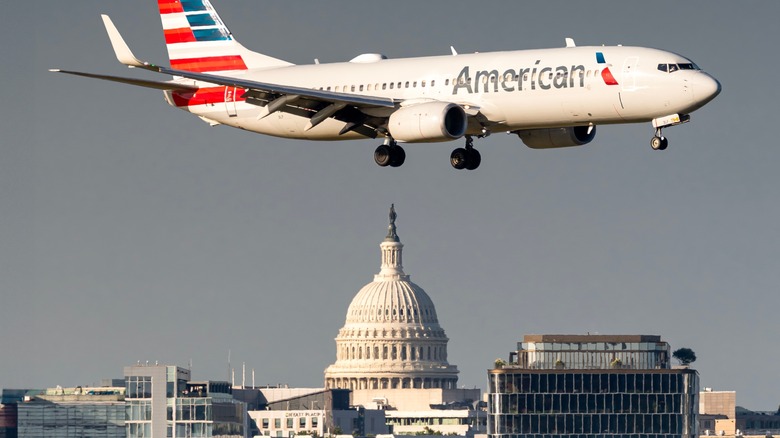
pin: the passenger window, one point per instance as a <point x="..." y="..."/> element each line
<point x="391" y="85"/>
<point x="414" y="84"/>
<point x="328" y="88"/>
<point x="384" y="86"/>
<point x="361" y="88"/>
<point x="433" y="82"/>
<point x="352" y="88"/>
<point x="399" y="84"/>
<point x="338" y="88"/>
<point x="422" y="84"/>
<point x="407" y="84"/>
<point x="446" y="81"/>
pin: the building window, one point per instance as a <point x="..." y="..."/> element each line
<point x="290" y="423"/>
<point x="138" y="387"/>
<point x="266" y="423"/>
<point x="302" y="423"/>
<point x="277" y="423"/>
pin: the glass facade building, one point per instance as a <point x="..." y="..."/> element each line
<point x="73" y="413"/>
<point x="590" y="386"/>
<point x="161" y="401"/>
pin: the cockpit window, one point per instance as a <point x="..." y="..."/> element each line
<point x="670" y="68"/>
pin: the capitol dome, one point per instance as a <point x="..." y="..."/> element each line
<point x="391" y="338"/>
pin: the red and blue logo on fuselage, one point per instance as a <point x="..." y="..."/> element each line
<point x="605" y="73"/>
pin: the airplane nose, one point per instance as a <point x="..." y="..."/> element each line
<point x="705" y="88"/>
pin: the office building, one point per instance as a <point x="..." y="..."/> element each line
<point x="590" y="386"/>
<point x="283" y="411"/>
<point x="73" y="413"/>
<point x="162" y="401"/>
<point x="719" y="415"/>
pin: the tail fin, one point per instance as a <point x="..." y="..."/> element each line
<point x="198" y="40"/>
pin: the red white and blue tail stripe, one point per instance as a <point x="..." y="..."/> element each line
<point x="198" y="40"/>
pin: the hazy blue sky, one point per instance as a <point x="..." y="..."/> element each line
<point x="133" y="231"/>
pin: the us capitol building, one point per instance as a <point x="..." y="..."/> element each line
<point x="392" y="352"/>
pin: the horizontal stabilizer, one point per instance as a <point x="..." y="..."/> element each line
<point x="159" y="85"/>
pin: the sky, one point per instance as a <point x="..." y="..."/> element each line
<point x="131" y="231"/>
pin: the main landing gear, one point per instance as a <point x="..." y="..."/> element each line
<point x="466" y="158"/>
<point x="390" y="154"/>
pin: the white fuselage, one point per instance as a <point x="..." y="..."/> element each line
<point x="513" y="90"/>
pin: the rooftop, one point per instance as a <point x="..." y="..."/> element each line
<point x="591" y="338"/>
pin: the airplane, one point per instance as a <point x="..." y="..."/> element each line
<point x="549" y="98"/>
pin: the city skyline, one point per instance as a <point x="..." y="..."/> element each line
<point x="133" y="232"/>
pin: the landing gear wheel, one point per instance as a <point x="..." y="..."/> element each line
<point x="382" y="155"/>
<point x="659" y="143"/>
<point x="459" y="158"/>
<point x="474" y="159"/>
<point x="397" y="156"/>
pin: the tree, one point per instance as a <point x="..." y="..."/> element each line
<point x="685" y="356"/>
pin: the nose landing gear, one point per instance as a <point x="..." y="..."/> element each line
<point x="466" y="158"/>
<point x="659" y="142"/>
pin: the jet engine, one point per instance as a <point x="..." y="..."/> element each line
<point x="557" y="137"/>
<point x="428" y="122"/>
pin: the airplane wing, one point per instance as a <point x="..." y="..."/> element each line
<point x="159" y="85"/>
<point x="316" y="105"/>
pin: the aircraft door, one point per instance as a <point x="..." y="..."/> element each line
<point x="230" y="101"/>
<point x="628" y="81"/>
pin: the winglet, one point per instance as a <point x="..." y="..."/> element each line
<point x="122" y="51"/>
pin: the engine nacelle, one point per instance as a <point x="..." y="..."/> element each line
<point x="428" y="122"/>
<point x="557" y="137"/>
